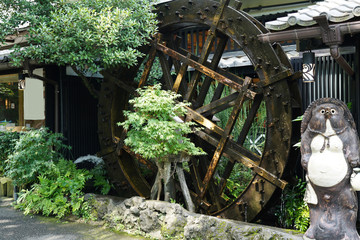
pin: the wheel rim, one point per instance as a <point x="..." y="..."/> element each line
<point x="271" y="68"/>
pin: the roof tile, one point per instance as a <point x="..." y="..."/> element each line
<point x="335" y="11"/>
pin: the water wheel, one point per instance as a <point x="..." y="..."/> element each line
<point x="230" y="143"/>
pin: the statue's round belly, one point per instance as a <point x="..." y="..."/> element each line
<point x="329" y="167"/>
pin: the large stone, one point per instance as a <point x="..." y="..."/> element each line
<point x="3" y="188"/>
<point x="9" y="188"/>
<point x="163" y="220"/>
<point x="6" y="187"/>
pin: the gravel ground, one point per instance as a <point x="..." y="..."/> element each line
<point x="15" y="226"/>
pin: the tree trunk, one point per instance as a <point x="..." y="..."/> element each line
<point x="184" y="188"/>
<point x="155" y="187"/>
<point x="167" y="182"/>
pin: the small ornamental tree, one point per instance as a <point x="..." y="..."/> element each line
<point x="154" y="133"/>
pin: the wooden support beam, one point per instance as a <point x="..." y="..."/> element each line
<point x="225" y="136"/>
<point x="166" y="70"/>
<point x="205" y="70"/>
<point x="218" y="105"/>
<point x="180" y="76"/>
<point x="147" y="67"/>
<point x="241" y="139"/>
<point x="230" y="152"/>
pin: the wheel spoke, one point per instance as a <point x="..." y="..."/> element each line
<point x="241" y="139"/>
<point x="167" y="78"/>
<point x="148" y="65"/>
<point x="251" y="162"/>
<point x="213" y="65"/>
<point x="205" y="70"/>
<point x="225" y="136"/>
<point x="218" y="105"/>
<point x="174" y="44"/>
<point x="180" y="76"/>
<point x="228" y="75"/>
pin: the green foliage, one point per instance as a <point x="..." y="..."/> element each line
<point x="252" y="141"/>
<point x="294" y="212"/>
<point x="58" y="192"/>
<point x="34" y="154"/>
<point x="7" y="145"/>
<point x="255" y="141"/>
<point x="152" y="131"/>
<point x="88" y="34"/>
<point x="237" y="181"/>
<point x="155" y="72"/>
<point x="298" y="118"/>
<point x="101" y="182"/>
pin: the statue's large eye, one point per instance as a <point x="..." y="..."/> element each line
<point x="333" y="111"/>
<point x="322" y="111"/>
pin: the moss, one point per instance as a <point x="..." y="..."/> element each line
<point x="253" y="231"/>
<point x="174" y="233"/>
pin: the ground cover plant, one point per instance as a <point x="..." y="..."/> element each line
<point x="50" y="184"/>
<point x="58" y="192"/>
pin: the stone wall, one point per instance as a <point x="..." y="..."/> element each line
<point x="163" y="220"/>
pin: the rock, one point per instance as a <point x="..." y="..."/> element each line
<point x="163" y="220"/>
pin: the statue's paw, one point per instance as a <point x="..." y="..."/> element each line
<point x="306" y="238"/>
<point x="354" y="162"/>
<point x="309" y="235"/>
<point x="355" y="181"/>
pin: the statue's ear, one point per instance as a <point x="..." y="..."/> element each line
<point x="347" y="114"/>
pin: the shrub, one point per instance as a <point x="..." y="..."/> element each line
<point x="35" y="152"/>
<point x="152" y="131"/>
<point x="7" y="146"/>
<point x="58" y="192"/>
<point x="294" y="212"/>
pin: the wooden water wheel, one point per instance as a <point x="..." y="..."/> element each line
<point x="212" y="91"/>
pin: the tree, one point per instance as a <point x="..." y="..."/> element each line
<point x="154" y="134"/>
<point x="88" y="35"/>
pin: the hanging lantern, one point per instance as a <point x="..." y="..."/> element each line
<point x="308" y="67"/>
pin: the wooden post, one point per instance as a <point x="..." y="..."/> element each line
<point x="21" y="108"/>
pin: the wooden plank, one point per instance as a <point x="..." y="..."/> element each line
<point x="147" y="67"/>
<point x="205" y="70"/>
<point x="180" y="77"/>
<point x="219" y="70"/>
<point x="218" y="105"/>
<point x="241" y="139"/>
<point x="225" y="136"/>
<point x="9" y="78"/>
<point x="203" y="58"/>
<point x="175" y="44"/>
<point x="213" y="65"/>
<point x="193" y="115"/>
<point x="230" y="152"/>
